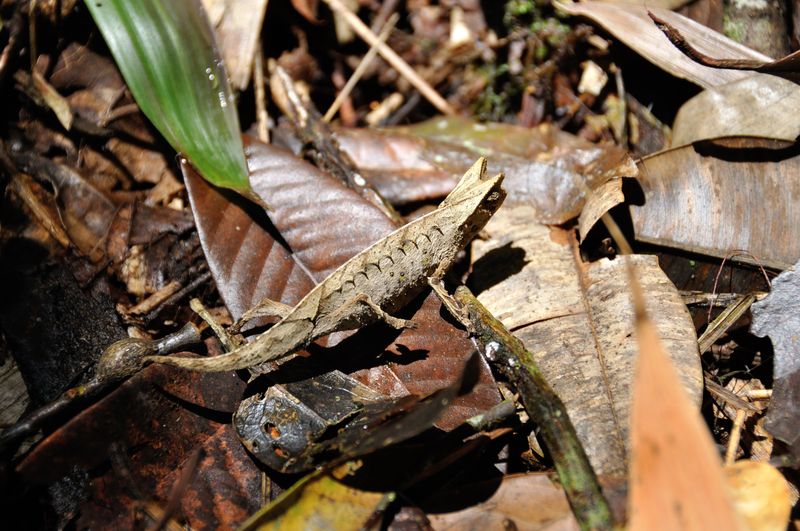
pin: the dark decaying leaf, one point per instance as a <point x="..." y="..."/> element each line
<point x="545" y="168"/>
<point x="168" y="414"/>
<point x="718" y="201"/>
<point x="55" y="339"/>
<point x="324" y="224"/>
<point x="778" y="316"/>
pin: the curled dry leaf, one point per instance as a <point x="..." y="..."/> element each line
<point x="631" y="24"/>
<point x="545" y="168"/>
<point x="577" y="321"/>
<point x="715" y="201"/>
<point x="758" y="106"/>
<point x="599" y="201"/>
<point x="676" y="477"/>
<point x="787" y="66"/>
<point x="778" y="316"/>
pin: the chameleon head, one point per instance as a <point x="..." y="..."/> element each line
<point x="476" y="197"/>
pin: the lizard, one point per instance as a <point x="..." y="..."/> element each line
<point x="374" y="283"/>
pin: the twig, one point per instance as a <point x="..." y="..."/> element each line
<point x="724" y="320"/>
<point x="759" y="394"/>
<point x="733" y="441"/>
<point x="391" y="57"/>
<point x="360" y="69"/>
<point x="508" y="356"/>
<point x="261" y="96"/>
<point x="730" y="255"/>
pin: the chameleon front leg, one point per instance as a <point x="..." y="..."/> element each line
<point x="348" y="315"/>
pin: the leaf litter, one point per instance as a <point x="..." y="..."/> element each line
<point x="110" y="158"/>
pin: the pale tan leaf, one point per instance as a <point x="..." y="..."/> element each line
<point x="676" y="478"/>
<point x="759" y="106"/>
<point x="598" y="202"/>
<point x="577" y="320"/>
<point x="701" y="203"/>
<point x="761" y="495"/>
<point x="531" y="501"/>
<point x="631" y="24"/>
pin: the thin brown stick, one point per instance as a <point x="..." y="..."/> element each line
<point x="736" y="434"/>
<point x="391" y="57"/>
<point x="360" y="69"/>
<point x="262" y="118"/>
<point x="759" y="394"/>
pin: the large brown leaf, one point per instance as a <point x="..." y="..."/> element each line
<point x="720" y="202"/>
<point x="324" y="224"/>
<point x="577" y="321"/>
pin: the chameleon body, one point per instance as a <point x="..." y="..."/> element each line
<point x="377" y="281"/>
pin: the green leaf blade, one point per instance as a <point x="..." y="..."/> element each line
<point x="166" y="52"/>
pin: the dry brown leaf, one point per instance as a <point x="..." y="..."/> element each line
<point x="760" y="494"/>
<point x="631" y="24"/>
<point x="676" y="477"/>
<point x="529" y="501"/>
<point x="577" y="320"/>
<point x="758" y="106"/>
<point x="544" y="167"/>
<point x="237" y="24"/>
<point x="701" y="203"/>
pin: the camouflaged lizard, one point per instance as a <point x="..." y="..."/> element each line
<point x="377" y="281"/>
